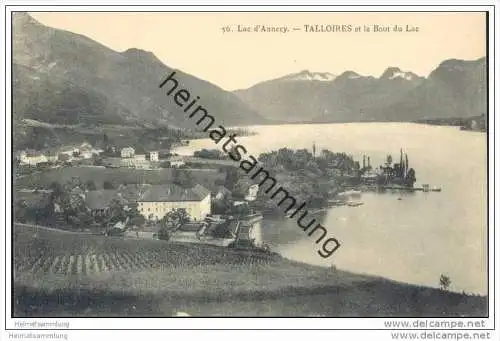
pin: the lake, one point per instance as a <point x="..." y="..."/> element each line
<point x="415" y="239"/>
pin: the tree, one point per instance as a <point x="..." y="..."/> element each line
<point x="116" y="212"/>
<point x="183" y="178"/>
<point x="231" y="178"/>
<point x="163" y="233"/>
<point x="444" y="282"/>
<point x="175" y="219"/>
<point x="21" y="211"/>
<point x="389" y="160"/>
<point x="171" y="222"/>
<point x="90" y="185"/>
<point x="98" y="161"/>
<point x="105" y="141"/>
<point x="57" y="189"/>
<point x="75" y="182"/>
<point x="410" y="177"/>
<point x="108" y="185"/>
<point x="136" y="218"/>
<point x="214" y="154"/>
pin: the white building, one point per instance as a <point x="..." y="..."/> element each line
<point x="154" y="156"/>
<point x="86" y="154"/>
<point x="161" y="199"/>
<point x="132" y="162"/>
<point x="176" y="161"/>
<point x="52" y="157"/>
<point x="140" y="157"/>
<point x="32" y="158"/>
<point x="127" y="152"/>
<point x="253" y="190"/>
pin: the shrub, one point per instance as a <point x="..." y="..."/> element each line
<point x="444" y="282"/>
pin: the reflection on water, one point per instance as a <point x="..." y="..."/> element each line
<point x="414" y="239"/>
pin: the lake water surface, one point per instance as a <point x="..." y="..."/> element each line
<point x="413" y="240"/>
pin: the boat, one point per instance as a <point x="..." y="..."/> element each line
<point x="436" y="189"/>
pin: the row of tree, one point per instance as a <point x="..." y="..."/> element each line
<point x="65" y="207"/>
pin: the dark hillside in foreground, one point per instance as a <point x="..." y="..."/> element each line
<point x="70" y="274"/>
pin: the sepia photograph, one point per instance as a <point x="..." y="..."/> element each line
<point x="314" y="164"/>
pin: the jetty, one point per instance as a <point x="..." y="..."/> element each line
<point x="423" y="188"/>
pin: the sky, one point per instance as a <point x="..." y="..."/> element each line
<point x="195" y="42"/>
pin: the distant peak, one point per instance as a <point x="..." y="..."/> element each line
<point x="306" y="75"/>
<point x="23" y="19"/>
<point x="140" y="55"/>
<point x="455" y="62"/>
<point x="136" y="51"/>
<point x="391" y="70"/>
<point x="349" y="75"/>
<point x="451" y="62"/>
<point x="395" y="72"/>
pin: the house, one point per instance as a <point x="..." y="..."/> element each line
<point x="85" y="145"/>
<point x="52" y="156"/>
<point x="158" y="200"/>
<point x="147" y="232"/>
<point x="154" y="156"/>
<point x="134" y="162"/>
<point x="86" y="153"/>
<point x="131" y="193"/>
<point x="112" y="162"/>
<point x="253" y="190"/>
<point x="370" y="176"/>
<point x="176" y="161"/>
<point x="222" y="192"/>
<point x="140" y="157"/>
<point x="32" y="158"/>
<point x="99" y="201"/>
<point x="127" y="152"/>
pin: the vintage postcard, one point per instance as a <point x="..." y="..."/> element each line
<point x="251" y="163"/>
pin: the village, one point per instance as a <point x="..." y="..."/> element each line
<point x="176" y="211"/>
<point x="164" y="201"/>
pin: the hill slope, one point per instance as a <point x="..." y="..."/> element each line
<point x="63" y="77"/>
<point x="456" y="88"/>
<point x="69" y="274"/>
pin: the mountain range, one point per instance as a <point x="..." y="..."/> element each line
<point x="456" y="88"/>
<point x="60" y="77"/>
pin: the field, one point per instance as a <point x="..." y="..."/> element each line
<point x="68" y="274"/>
<point x="119" y="175"/>
<point x="52" y="252"/>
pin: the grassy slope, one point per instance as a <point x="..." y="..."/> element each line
<point x="61" y="274"/>
<point x="119" y="175"/>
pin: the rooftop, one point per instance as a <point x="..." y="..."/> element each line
<point x="171" y="192"/>
<point x="101" y="199"/>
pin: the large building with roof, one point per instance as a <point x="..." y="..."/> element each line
<point x="127" y="152"/>
<point x="158" y="200"/>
